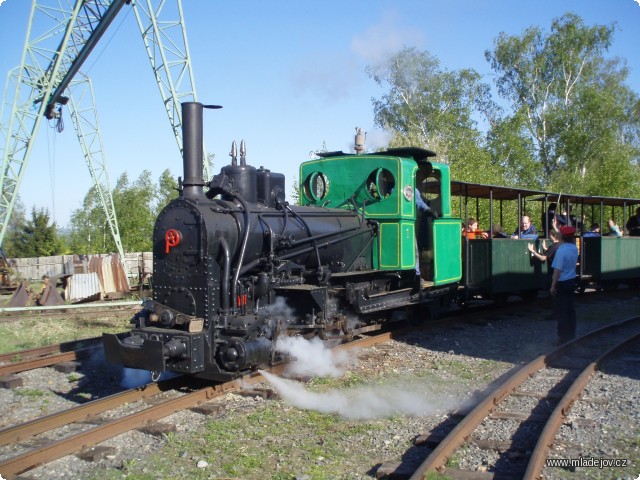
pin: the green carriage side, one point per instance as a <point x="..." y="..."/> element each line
<point x="381" y="186"/>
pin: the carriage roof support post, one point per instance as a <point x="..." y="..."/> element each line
<point x="624" y="216"/>
<point x="491" y="214"/>
<point x="581" y="266"/>
<point x="467" y="249"/>
<point x="519" y="214"/>
<point x="545" y="214"/>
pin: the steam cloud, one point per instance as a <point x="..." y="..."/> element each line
<point x="312" y="357"/>
<point x="365" y="402"/>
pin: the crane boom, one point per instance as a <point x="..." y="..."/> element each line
<point x="50" y="59"/>
<point x="94" y="19"/>
<point x="49" y="72"/>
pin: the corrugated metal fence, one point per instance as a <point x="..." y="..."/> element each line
<point x="137" y="266"/>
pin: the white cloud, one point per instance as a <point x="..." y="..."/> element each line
<point x="380" y="41"/>
<point x="337" y="75"/>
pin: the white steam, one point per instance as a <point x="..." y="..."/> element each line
<point x="311" y="358"/>
<point x="364" y="402"/>
<point x="314" y="358"/>
<point x="279" y="310"/>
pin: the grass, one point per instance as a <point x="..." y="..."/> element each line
<point x="275" y="438"/>
<point x="29" y="392"/>
<point x="37" y="332"/>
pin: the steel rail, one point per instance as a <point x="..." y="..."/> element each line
<point x="46" y="350"/>
<point x="57" y="449"/>
<point x="46" y="361"/>
<point x="23" y="360"/>
<point x="52" y="451"/>
<point x="551" y="428"/>
<point x="437" y="459"/>
<point x="82" y="412"/>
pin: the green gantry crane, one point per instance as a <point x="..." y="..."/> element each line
<point x="60" y="36"/>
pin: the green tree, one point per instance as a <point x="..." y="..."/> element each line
<point x="573" y="123"/>
<point x="134" y="208"/>
<point x="433" y="108"/>
<point x="167" y="191"/>
<point x="38" y="237"/>
<point x="17" y="222"/>
<point x="295" y="192"/>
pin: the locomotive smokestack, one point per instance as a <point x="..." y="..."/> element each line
<point x="192" y="155"/>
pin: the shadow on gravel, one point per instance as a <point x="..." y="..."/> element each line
<point x="525" y="331"/>
<point x="626" y="364"/>
<point x="97" y="378"/>
<point x="517" y="338"/>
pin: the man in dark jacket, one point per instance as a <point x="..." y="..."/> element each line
<point x="633" y="224"/>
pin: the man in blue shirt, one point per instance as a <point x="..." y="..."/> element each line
<point x="423" y="207"/>
<point x="563" y="284"/>
<point x="594" y="231"/>
<point x="420" y="203"/>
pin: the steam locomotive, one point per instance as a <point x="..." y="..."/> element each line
<point x="236" y="266"/>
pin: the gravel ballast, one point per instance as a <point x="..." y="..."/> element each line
<point x="443" y="368"/>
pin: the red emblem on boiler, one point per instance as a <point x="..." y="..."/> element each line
<point x="171" y="239"/>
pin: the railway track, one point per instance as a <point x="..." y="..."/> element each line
<point x="191" y="394"/>
<point x="29" y="359"/>
<point x="93" y="435"/>
<point x="23" y="360"/>
<point x="566" y="372"/>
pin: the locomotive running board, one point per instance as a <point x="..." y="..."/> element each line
<point x="384" y="301"/>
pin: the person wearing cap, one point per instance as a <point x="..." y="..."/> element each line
<point x="563" y="284"/>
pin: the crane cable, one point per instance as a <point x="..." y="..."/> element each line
<point x="59" y="126"/>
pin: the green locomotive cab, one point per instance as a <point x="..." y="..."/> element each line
<point x="382" y="187"/>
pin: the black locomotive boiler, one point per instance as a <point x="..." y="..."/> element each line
<point x="226" y="251"/>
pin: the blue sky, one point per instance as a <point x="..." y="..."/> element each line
<point x="290" y="75"/>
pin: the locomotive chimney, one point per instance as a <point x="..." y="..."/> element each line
<point x="192" y="156"/>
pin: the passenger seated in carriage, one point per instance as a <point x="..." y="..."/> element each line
<point x="472" y="232"/>
<point x="526" y="229"/>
